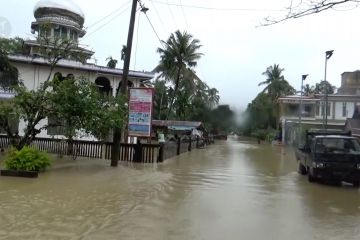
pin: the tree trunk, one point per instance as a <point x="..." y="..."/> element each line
<point x="175" y="92"/>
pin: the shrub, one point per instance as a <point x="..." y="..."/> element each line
<point x="28" y="159"/>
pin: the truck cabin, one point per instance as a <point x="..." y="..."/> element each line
<point x="334" y="144"/>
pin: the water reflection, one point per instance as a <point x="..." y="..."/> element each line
<point x="231" y="190"/>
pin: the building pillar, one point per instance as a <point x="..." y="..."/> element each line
<point x="114" y="88"/>
<point x="283" y="126"/>
<point x="333" y="110"/>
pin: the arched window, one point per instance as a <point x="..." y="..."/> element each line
<point x="129" y="84"/>
<point x="104" y="85"/>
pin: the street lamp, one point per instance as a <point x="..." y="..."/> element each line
<point x="328" y="55"/>
<point x="303" y="77"/>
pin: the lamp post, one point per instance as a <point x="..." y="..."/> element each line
<point x="328" y="55"/>
<point x="303" y="77"/>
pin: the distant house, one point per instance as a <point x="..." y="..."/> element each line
<point x="341" y="107"/>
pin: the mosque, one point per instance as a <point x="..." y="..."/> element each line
<point x="56" y="21"/>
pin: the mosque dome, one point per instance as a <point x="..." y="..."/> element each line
<point x="59" y="7"/>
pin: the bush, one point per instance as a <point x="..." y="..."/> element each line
<point x="27" y="158"/>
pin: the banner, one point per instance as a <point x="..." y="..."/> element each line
<point x="140" y="111"/>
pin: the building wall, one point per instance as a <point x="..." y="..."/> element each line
<point x="339" y="110"/>
<point x="33" y="75"/>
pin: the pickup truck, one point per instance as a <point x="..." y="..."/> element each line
<point x="330" y="156"/>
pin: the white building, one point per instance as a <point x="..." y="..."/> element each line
<point x="63" y="19"/>
<point x="341" y="106"/>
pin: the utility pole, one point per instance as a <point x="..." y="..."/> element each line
<point x="115" y="150"/>
<point x="303" y="77"/>
<point x="328" y="54"/>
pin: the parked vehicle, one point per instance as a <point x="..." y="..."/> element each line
<point x="330" y="155"/>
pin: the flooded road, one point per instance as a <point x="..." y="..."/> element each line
<point x="230" y="190"/>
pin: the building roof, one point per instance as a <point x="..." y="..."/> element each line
<point x="60" y="4"/>
<point x="178" y="125"/>
<point x="81" y="66"/>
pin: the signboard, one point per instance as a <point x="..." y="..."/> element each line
<point x="140" y="111"/>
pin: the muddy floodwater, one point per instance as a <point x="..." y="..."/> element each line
<point x="230" y="190"/>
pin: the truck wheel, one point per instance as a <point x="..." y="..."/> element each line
<point x="311" y="178"/>
<point x="356" y="184"/>
<point x="301" y="169"/>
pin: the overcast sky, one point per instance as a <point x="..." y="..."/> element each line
<point x="236" y="51"/>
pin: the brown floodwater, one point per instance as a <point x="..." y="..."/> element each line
<point x="229" y="190"/>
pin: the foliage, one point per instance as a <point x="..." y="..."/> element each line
<point x="28" y="159"/>
<point x="161" y="99"/>
<point x="222" y="119"/>
<point x="324" y="87"/>
<point x="276" y="85"/>
<point x="8" y="73"/>
<point x="111" y="62"/>
<point x="260" y="114"/>
<point x="12" y="45"/>
<point x="177" y="60"/>
<point x="308" y="7"/>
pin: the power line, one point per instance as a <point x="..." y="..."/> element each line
<point x="215" y="8"/>
<point x="171" y="13"/>
<point x="144" y="10"/>
<point x="183" y="12"/>
<point x="154" y="29"/>
<point x="158" y="15"/>
<point x="108" y="15"/>
<point x="106" y="23"/>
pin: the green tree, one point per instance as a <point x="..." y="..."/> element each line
<point x="276" y="85"/>
<point x="111" y="62"/>
<point x="177" y="59"/>
<point x="324" y="87"/>
<point x="12" y="45"/>
<point x="222" y="119"/>
<point x="8" y="74"/>
<point x="213" y="97"/>
<point x="161" y="99"/>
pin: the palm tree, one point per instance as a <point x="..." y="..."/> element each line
<point x="177" y="58"/>
<point x="213" y="97"/>
<point x="276" y="85"/>
<point x="111" y="62"/>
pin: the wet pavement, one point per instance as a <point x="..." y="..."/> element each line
<point x="230" y="190"/>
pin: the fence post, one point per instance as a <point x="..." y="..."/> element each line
<point x="161" y="152"/>
<point x="138" y="152"/>
<point x="178" y="146"/>
<point x="189" y="148"/>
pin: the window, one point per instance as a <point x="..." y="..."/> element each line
<point x="64" y="32"/>
<point x="57" y="32"/>
<point x="344" y="112"/>
<point x="317" y="108"/>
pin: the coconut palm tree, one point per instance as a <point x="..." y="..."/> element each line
<point x="178" y="57"/>
<point x="213" y="97"/>
<point x="276" y="85"/>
